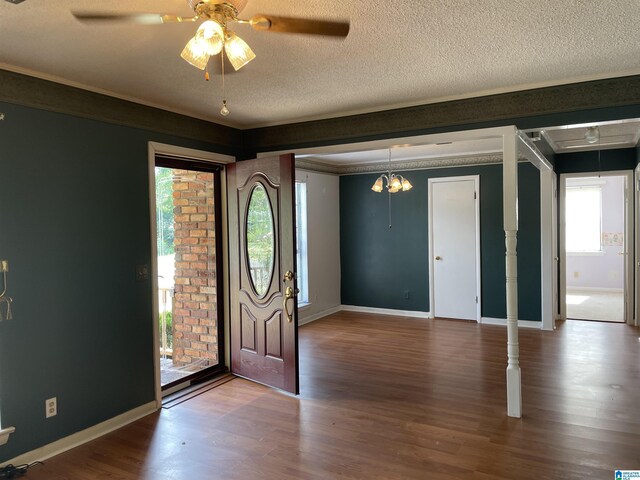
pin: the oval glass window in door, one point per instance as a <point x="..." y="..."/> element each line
<point x="260" y="240"/>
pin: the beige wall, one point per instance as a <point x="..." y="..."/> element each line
<point x="323" y="243"/>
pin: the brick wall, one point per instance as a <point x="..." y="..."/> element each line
<point x="194" y="307"/>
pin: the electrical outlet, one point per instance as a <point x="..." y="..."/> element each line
<point x="51" y="407"/>
<point x="406" y="294"/>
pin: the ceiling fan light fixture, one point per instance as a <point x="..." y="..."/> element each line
<point x="237" y="50"/>
<point x="195" y="54"/>
<point x="210" y="37"/>
<point x="406" y="185"/>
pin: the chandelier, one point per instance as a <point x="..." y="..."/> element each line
<point x="395" y="182"/>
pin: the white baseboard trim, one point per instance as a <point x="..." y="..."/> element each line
<point x="84" y="436"/>
<point x="595" y="290"/>
<point x="386" y="311"/>
<point x="318" y="316"/>
<point x="503" y="322"/>
<point x="4" y="434"/>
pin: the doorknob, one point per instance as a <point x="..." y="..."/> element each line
<point x="289" y="276"/>
<point x="289" y="293"/>
<point x="438" y="257"/>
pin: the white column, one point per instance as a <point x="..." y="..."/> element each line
<point x="510" y="210"/>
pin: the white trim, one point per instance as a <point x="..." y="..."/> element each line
<point x="479" y="134"/>
<point x="476" y="185"/>
<point x="386" y="311"/>
<point x="595" y="289"/>
<point x="83" y="436"/>
<point x="319" y="315"/>
<point x="546" y="248"/>
<point x="503" y="322"/>
<point x="636" y="256"/>
<point x="155" y="148"/>
<point x="4" y="434"/>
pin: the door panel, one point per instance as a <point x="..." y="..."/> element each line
<point x="454" y="237"/>
<point x="264" y="335"/>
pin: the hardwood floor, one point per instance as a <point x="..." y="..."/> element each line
<point x="395" y="398"/>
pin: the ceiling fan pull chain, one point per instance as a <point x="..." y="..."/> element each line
<point x="224" y="111"/>
<point x="206" y="74"/>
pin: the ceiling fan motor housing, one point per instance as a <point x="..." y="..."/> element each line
<point x="237" y="4"/>
<point x="15" y="1"/>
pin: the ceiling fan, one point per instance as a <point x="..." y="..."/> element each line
<point x="214" y="36"/>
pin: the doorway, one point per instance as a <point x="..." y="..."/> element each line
<point x="595" y="246"/>
<point x="189" y="270"/>
<point x="454" y="247"/>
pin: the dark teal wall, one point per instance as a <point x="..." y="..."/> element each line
<point x="380" y="264"/>
<point x="74" y="223"/>
<point x="620" y="159"/>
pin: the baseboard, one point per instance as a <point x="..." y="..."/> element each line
<point x="84" y="436"/>
<point x="503" y="322"/>
<point x="386" y="311"/>
<point x="595" y="290"/>
<point x="318" y="316"/>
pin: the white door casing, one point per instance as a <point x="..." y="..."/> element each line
<point x="454" y="247"/>
<point x="630" y="293"/>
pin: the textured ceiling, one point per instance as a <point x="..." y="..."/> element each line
<point x="398" y="53"/>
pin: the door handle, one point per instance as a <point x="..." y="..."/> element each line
<point x="438" y="257"/>
<point x="289" y="293"/>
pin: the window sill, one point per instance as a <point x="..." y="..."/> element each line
<point x="4" y="434"/>
<point x="586" y="254"/>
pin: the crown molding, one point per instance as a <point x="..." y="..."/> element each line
<point x="399" y="166"/>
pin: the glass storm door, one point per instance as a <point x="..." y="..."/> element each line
<point x="188" y="220"/>
<point x="262" y="261"/>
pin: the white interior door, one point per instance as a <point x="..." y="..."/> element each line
<point x="454" y="247"/>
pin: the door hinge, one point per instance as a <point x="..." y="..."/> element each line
<point x="475" y="195"/>
<point x="476" y="299"/>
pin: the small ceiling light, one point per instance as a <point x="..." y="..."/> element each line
<point x="592" y="135"/>
<point x="237" y="51"/>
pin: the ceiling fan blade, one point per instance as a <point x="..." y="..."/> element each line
<point x="273" y="23"/>
<point x="141" y="18"/>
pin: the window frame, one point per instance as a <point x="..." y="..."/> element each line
<point x="302" y="250"/>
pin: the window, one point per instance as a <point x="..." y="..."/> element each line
<point x="583" y="219"/>
<point x="301" y="242"/>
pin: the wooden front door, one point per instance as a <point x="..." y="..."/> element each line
<point x="264" y="309"/>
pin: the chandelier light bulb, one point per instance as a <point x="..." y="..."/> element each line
<point x="210" y="37"/>
<point x="377" y="187"/>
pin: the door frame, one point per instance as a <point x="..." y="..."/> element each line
<point x="629" y="242"/>
<point x="476" y="183"/>
<point x="155" y="148"/>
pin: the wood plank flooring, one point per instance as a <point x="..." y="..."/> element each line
<point x="395" y="398"/>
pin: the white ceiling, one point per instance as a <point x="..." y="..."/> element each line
<point x="397" y="53"/>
